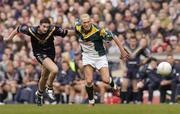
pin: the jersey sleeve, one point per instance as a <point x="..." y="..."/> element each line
<point x="60" y="32"/>
<point x="142" y="72"/>
<point x="77" y="28"/>
<point x="77" y="24"/>
<point x="107" y="35"/>
<point x="146" y="52"/>
<point x="23" y="29"/>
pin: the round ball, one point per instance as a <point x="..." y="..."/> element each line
<point x="164" y="69"/>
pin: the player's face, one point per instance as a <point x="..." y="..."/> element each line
<point x="154" y="64"/>
<point x="44" y="27"/>
<point x="133" y="42"/>
<point x="170" y="59"/>
<point x="86" y="23"/>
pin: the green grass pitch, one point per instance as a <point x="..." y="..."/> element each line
<point x="84" y="109"/>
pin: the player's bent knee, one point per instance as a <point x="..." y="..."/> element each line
<point x="124" y="86"/>
<point x="106" y="80"/>
<point x="54" y="70"/>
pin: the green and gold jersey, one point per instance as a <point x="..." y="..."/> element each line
<point x="92" y="41"/>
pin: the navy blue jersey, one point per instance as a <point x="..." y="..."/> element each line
<point x="134" y="61"/>
<point x="175" y="74"/>
<point x="42" y="43"/>
<point x="149" y="75"/>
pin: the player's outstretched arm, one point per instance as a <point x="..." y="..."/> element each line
<point x="13" y="33"/>
<point x="72" y="29"/>
<point x="109" y="36"/>
<point x="71" y="32"/>
<point x="124" y="54"/>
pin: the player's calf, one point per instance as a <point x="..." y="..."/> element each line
<point x="89" y="90"/>
<point x="114" y="87"/>
<point x="39" y="98"/>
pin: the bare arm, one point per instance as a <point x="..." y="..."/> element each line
<point x="118" y="43"/>
<point x="124" y="54"/>
<point x="70" y="32"/>
<point x="13" y="33"/>
<point x="109" y="36"/>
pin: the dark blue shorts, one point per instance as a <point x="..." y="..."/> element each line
<point x="132" y="74"/>
<point x="40" y="57"/>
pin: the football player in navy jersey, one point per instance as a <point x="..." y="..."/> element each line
<point x="135" y="51"/>
<point x="42" y="38"/>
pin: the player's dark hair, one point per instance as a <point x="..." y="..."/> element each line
<point x="151" y="59"/>
<point x="170" y="54"/>
<point x="133" y="37"/>
<point x="45" y="20"/>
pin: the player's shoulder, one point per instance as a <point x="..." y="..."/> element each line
<point x="101" y="30"/>
<point x="32" y="28"/>
<point x="96" y="26"/>
<point x="78" y="27"/>
<point x="23" y="26"/>
<point x="54" y="27"/>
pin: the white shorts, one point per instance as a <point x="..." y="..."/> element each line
<point x="95" y="62"/>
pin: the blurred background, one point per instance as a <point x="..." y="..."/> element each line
<point x="154" y="23"/>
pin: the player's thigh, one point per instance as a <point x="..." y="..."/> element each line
<point x="88" y="72"/>
<point x="45" y="72"/>
<point x="125" y="83"/>
<point x="134" y="84"/>
<point x="88" y="60"/>
<point x="101" y="62"/>
<point x="104" y="71"/>
<point x="50" y="65"/>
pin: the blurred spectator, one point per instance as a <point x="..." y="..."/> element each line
<point x="149" y="79"/>
<point x="63" y="82"/>
<point x="12" y="82"/>
<point x="26" y="94"/>
<point x="135" y="50"/>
